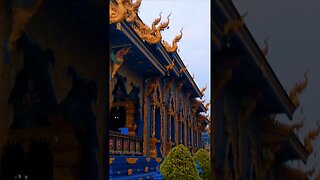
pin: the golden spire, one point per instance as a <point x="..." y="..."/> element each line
<point x="266" y="48"/>
<point x="310" y="137"/>
<point x="298" y="89"/>
<point x="174" y="46"/>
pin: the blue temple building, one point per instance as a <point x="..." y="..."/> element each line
<point x="154" y="102"/>
<point x="247" y="141"/>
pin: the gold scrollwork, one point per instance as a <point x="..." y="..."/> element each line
<point x="111" y="160"/>
<point x="174" y="46"/>
<point x="131" y="160"/>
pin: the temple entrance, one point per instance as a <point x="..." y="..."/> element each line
<point x="27" y="163"/>
<point x="118" y="118"/>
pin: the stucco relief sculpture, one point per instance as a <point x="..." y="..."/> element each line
<point x="118" y="59"/>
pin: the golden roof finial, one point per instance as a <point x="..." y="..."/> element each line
<point x="266" y="48"/>
<point x="203" y="90"/>
<point x="310" y="137"/>
<point x="174" y="46"/>
<point x="298" y="89"/>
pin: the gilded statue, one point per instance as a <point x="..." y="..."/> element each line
<point x="266" y="48"/>
<point x="117" y="59"/>
<point x="298" y="89"/>
<point x="174" y="45"/>
<point x="310" y="137"/>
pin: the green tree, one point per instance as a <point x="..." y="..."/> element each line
<point x="203" y="158"/>
<point x="179" y="164"/>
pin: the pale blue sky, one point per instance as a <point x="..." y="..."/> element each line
<point x="194" y="47"/>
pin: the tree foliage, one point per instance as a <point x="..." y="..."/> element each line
<point x="203" y="158"/>
<point x="179" y="164"/>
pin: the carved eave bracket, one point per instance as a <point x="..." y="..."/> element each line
<point x="202" y="90"/>
<point x="298" y="89"/>
<point x="118" y="60"/>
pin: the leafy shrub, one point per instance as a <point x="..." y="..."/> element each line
<point x="203" y="158"/>
<point x="179" y="164"/>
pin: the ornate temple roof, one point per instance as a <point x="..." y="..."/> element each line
<point x="254" y="70"/>
<point x="156" y="56"/>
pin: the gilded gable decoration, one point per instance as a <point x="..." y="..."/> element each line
<point x="174" y="45"/>
<point x="235" y="25"/>
<point x="123" y="10"/>
<point x="310" y="137"/>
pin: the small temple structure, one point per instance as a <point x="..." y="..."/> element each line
<point x="247" y="141"/>
<point x="154" y="102"/>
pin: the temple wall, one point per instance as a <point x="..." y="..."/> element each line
<point x="74" y="45"/>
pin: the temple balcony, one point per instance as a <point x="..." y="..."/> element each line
<point x="121" y="144"/>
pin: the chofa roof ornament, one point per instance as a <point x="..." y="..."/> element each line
<point x="298" y="89"/>
<point x="174" y="45"/>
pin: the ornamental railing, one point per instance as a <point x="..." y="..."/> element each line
<point x="120" y="144"/>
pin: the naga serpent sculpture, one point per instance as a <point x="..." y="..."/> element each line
<point x="298" y="89"/>
<point x="174" y="45"/>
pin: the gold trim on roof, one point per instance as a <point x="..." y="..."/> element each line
<point x="312" y="134"/>
<point x="298" y="89"/>
<point x="174" y="45"/>
<point x="203" y="90"/>
<point x="151" y="35"/>
<point x="170" y="66"/>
